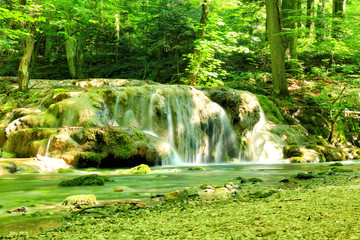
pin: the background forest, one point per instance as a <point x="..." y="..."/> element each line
<point x="156" y="39"/>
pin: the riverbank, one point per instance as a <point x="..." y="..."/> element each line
<point x="325" y="207"/>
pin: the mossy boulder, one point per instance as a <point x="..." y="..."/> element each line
<point x="313" y="120"/>
<point x="117" y="147"/>
<point x="28" y="142"/>
<point x="335" y="154"/>
<point x="304" y="175"/>
<point x="87" y="180"/>
<point x="87" y="159"/>
<point x="297" y="160"/>
<point x="292" y="151"/>
<point x="242" y="107"/>
<point x="141" y="169"/>
<point x="271" y="111"/>
<point x="198" y="168"/>
<point x="78" y="200"/>
<point x="182" y="195"/>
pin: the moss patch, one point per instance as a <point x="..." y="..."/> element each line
<point x="86" y="180"/>
<point x="271" y="111"/>
<point x="141" y="169"/>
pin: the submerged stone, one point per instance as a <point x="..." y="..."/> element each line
<point x="86" y="180"/>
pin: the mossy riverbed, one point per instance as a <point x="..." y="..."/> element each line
<point x="323" y="207"/>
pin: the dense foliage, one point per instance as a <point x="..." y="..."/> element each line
<point x="156" y="39"/>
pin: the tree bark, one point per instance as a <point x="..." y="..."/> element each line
<point x="310" y="13"/>
<point x="197" y="58"/>
<point x="23" y="72"/>
<point x="70" y="46"/>
<point x="290" y="25"/>
<point x="276" y="49"/>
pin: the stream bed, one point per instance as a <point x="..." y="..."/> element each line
<point x="39" y="193"/>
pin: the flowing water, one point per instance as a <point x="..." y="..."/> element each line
<point x="39" y="192"/>
<point x="196" y="129"/>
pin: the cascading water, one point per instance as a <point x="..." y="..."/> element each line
<point x="264" y="147"/>
<point x="196" y="129"/>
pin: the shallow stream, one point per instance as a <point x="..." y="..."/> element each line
<point x="43" y="199"/>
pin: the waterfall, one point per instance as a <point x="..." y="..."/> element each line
<point x="264" y="146"/>
<point x="194" y="129"/>
<point x="47" y="147"/>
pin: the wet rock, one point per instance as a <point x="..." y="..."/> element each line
<point x="12" y="168"/>
<point x="254" y="180"/>
<point x="86" y="180"/>
<point x="18" y="210"/>
<point x="197" y="169"/>
<point x="119" y="189"/>
<point x="79" y="200"/>
<point x="141" y="169"/>
<point x="336" y="164"/>
<point x="182" y="195"/>
<point x="305" y="175"/>
<point x="292" y="151"/>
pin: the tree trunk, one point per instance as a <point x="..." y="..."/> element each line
<point x="23" y="72"/>
<point x="197" y="58"/>
<point x="338" y="12"/>
<point x="310" y="13"/>
<point x="70" y="46"/>
<point x="276" y="49"/>
<point x="290" y="25"/>
<point x="321" y="14"/>
<point x="338" y="8"/>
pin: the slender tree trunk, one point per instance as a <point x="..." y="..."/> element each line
<point x="23" y="72"/>
<point x="276" y="49"/>
<point x="70" y="46"/>
<point x="196" y="62"/>
<point x="321" y="15"/>
<point x="338" y="12"/>
<point x="310" y="13"/>
<point x="80" y="56"/>
<point x="290" y="25"/>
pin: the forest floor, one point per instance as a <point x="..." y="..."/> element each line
<point x="324" y="207"/>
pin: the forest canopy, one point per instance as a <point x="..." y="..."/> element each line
<point x="166" y="41"/>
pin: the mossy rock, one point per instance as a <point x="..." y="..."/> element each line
<point x="335" y="154"/>
<point x="254" y="180"/>
<point x="141" y="169"/>
<point x="182" y="195"/>
<point x="272" y="113"/>
<point x="87" y="159"/>
<point x="87" y="180"/>
<point x="262" y="193"/>
<point x="285" y="180"/>
<point x="304" y="175"/>
<point x="297" y="160"/>
<point x="78" y="200"/>
<point x="290" y="151"/>
<point x="197" y="169"/>
<point x="119" y="189"/>
<point x="337" y="164"/>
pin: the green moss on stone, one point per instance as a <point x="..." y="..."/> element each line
<point x="86" y="180"/>
<point x="77" y="200"/>
<point x="271" y="111"/>
<point x="141" y="169"/>
<point x="292" y="151"/>
<point x="87" y="159"/>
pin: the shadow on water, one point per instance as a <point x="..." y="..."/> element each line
<point x="42" y="197"/>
